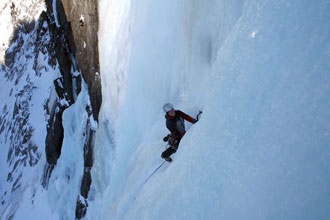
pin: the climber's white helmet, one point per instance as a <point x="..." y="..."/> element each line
<point x="167" y="107"/>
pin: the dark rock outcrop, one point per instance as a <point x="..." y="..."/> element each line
<point x="64" y="43"/>
<point x="76" y="49"/>
<point x="83" y="17"/>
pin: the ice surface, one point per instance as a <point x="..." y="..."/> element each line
<point x="260" y="72"/>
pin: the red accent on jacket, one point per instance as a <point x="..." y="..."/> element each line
<point x="175" y="124"/>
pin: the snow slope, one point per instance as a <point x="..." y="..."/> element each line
<point x="27" y="71"/>
<point x="260" y="72"/>
<point x="26" y="76"/>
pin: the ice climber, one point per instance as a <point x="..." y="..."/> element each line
<point x="175" y="124"/>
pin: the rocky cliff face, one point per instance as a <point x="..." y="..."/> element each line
<point x="83" y="17"/>
<point x="49" y="54"/>
<point x="78" y="22"/>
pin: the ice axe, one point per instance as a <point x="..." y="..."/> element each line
<point x="198" y="115"/>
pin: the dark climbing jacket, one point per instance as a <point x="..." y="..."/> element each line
<point x="176" y="125"/>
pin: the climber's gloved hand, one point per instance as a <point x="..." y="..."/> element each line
<point x="165" y="139"/>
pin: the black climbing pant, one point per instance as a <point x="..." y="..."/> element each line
<point x="171" y="150"/>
